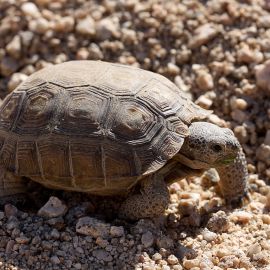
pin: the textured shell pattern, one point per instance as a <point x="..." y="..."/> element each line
<point x="93" y="126"/>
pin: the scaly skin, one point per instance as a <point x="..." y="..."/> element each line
<point x="233" y="178"/>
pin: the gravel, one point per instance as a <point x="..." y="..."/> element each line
<point x="217" y="52"/>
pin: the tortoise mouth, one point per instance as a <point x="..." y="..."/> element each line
<point x="226" y="160"/>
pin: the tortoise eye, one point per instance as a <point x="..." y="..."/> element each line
<point x="217" y="148"/>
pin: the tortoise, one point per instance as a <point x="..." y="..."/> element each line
<point x="105" y="128"/>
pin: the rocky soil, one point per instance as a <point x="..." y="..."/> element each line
<point x="218" y="52"/>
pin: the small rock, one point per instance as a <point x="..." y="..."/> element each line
<point x="15" y="80"/>
<point x="204" y="102"/>
<point x="55" y="234"/>
<point x="86" y="26"/>
<point x="267" y="138"/>
<point x="12" y="223"/>
<point x="8" y="65"/>
<point x="203" y="34"/>
<point x="172" y="260"/>
<point x="22" y="240"/>
<point x="2" y="215"/>
<point x="173" y="69"/>
<point x="78" y="266"/>
<point x="55" y="260"/>
<point x="64" y="24"/>
<point x="102" y="255"/>
<point x="40" y="26"/>
<point x="239" y="116"/>
<point x="263" y="76"/>
<point x="208" y="235"/>
<point x="188" y="264"/>
<point x="219" y="222"/>
<point x="164" y="242"/>
<point x="157" y="257"/>
<point x="147" y="239"/>
<point x="57" y="222"/>
<point x="14" y="47"/>
<point x="241" y="216"/>
<point x="107" y="28"/>
<point x="254" y="249"/>
<point x="93" y="227"/>
<point x="9" y="246"/>
<point x="53" y="208"/>
<point x="10" y="210"/>
<point x="204" y="81"/>
<point x="263" y="153"/>
<point x="246" y="55"/>
<point x="30" y="9"/>
<point x="117" y="231"/>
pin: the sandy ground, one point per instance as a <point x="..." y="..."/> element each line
<point x="217" y="52"/>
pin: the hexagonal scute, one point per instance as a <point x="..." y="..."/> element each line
<point x="83" y="113"/>
<point x="161" y="97"/>
<point x="122" y="80"/>
<point x="133" y="121"/>
<point x="38" y="110"/>
<point x="10" y="109"/>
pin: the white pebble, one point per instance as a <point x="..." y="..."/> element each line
<point x="30" y="9"/>
<point x="241" y="216"/>
<point x="208" y="235"/>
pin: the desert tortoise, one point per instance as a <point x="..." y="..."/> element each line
<point x="104" y="128"/>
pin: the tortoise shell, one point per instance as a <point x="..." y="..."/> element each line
<point x="93" y="126"/>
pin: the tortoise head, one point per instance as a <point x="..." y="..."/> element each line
<point x="208" y="146"/>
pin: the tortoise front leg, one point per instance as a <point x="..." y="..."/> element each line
<point x="233" y="178"/>
<point x="150" y="202"/>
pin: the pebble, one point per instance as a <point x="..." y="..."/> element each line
<point x="147" y="239"/>
<point x="241" y="216"/>
<point x="254" y="249"/>
<point x="204" y="102"/>
<point x="55" y="260"/>
<point x="86" y="26"/>
<point x="202" y="35"/>
<point x="263" y="153"/>
<point x="2" y="215"/>
<point x="14" y="47"/>
<point x="53" y="208"/>
<point x="30" y="9"/>
<point x="107" y="28"/>
<point x="172" y="260"/>
<point x="117" y="231"/>
<point x="267" y="138"/>
<point x="209" y="236"/>
<point x="92" y="227"/>
<point x="102" y="255"/>
<point x="218" y="222"/>
<point x="8" y="65"/>
<point x="247" y="55"/>
<point x="10" y="210"/>
<point x="204" y="81"/>
<point x="22" y="240"/>
<point x="263" y="76"/>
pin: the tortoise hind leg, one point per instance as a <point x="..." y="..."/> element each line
<point x="10" y="185"/>
<point x="150" y="202"/>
